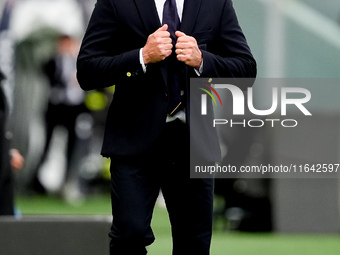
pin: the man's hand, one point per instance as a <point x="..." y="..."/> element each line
<point x="17" y="160"/>
<point x="187" y="50"/>
<point x="158" y="46"/>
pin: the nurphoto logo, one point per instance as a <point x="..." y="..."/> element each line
<point x="243" y="101"/>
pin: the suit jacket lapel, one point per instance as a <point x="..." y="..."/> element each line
<point x="189" y="17"/>
<point x="149" y="16"/>
<point x="190" y="12"/>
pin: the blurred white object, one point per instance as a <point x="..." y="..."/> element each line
<point x="64" y="16"/>
<point x="53" y="171"/>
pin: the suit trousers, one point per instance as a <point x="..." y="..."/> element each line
<point x="135" y="185"/>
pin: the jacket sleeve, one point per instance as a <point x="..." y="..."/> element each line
<point x="102" y="62"/>
<point x="229" y="55"/>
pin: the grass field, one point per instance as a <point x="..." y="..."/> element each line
<point x="224" y="242"/>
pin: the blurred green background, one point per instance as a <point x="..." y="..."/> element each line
<point x="224" y="241"/>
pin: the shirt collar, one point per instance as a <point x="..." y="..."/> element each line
<point x="160" y="4"/>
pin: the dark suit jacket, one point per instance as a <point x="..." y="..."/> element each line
<point x="6" y="180"/>
<point x="4" y="146"/>
<point x="109" y="55"/>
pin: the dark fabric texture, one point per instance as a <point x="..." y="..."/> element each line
<point x="6" y="178"/>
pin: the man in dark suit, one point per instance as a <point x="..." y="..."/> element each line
<point x="65" y="104"/>
<point x="132" y="44"/>
<point x="6" y="180"/>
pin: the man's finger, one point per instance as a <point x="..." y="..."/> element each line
<point x="162" y="28"/>
<point x="179" y="34"/>
<point x="164" y="34"/>
<point x="181" y="45"/>
<point x="162" y="31"/>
